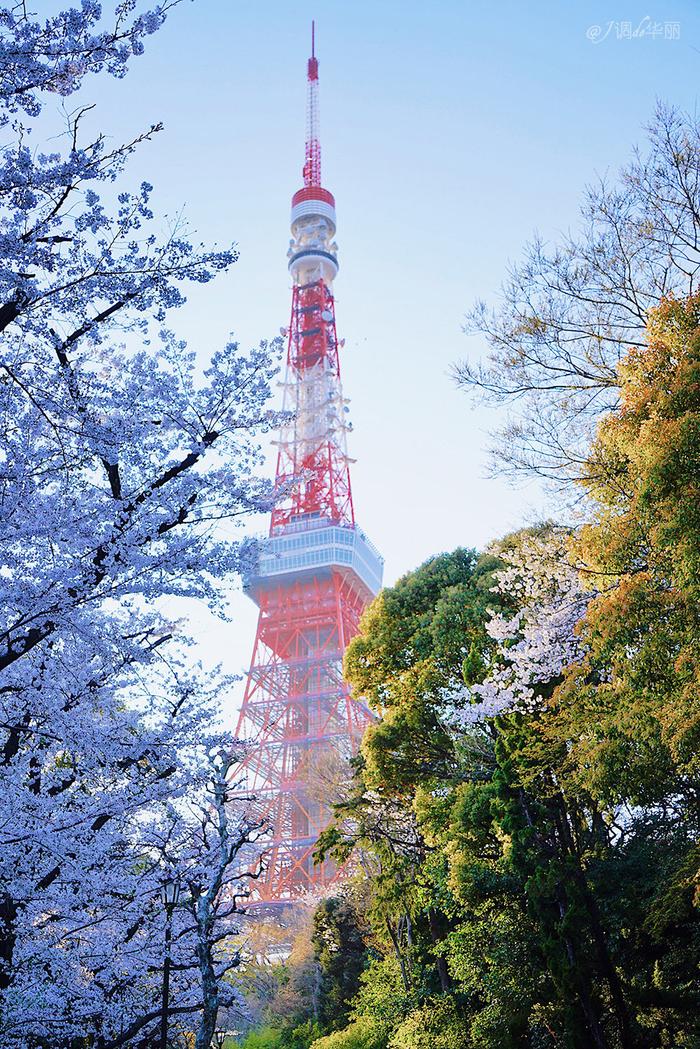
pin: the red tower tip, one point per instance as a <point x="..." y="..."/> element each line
<point x="313" y="61"/>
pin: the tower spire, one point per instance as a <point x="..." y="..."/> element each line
<point x="316" y="571"/>
<point x="312" y="158"/>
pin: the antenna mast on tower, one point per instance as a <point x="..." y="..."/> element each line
<point x="312" y="164"/>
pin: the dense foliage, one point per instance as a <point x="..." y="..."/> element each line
<point x="523" y="815"/>
<point x="532" y="881"/>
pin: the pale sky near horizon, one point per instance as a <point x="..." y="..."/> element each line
<point x="450" y="133"/>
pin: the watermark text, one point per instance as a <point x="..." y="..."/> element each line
<point x="648" y="28"/>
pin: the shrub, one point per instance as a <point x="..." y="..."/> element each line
<point x="435" y="1025"/>
<point x="265" y="1038"/>
<point x="364" y="1033"/>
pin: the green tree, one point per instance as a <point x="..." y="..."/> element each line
<point x="629" y="714"/>
<point x="418" y="644"/>
<point x="643" y="549"/>
<point x="340" y="952"/>
<point x="522" y="810"/>
<point x="435" y="1025"/>
<point x="417" y="640"/>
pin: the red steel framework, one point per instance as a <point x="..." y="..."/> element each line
<point x="316" y="572"/>
<point x="316" y="474"/>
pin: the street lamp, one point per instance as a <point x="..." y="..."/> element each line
<point x="169" y="894"/>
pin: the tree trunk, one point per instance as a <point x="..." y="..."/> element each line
<point x="210" y="986"/>
<point x="8" y="915"/>
<point x="605" y="965"/>
<point x="399" y="956"/>
<point x="436" y="937"/>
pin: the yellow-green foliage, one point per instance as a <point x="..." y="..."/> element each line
<point x="639" y="686"/>
<point x="266" y="1038"/>
<point x="434" y="1026"/>
<point x="364" y="1033"/>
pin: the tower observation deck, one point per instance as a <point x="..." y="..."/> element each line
<point x="316" y="572"/>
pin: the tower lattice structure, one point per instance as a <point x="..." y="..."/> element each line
<point x="316" y="571"/>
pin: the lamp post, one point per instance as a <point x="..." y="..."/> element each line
<point x="170" y="894"/>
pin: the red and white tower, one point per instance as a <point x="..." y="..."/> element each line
<point x="316" y="572"/>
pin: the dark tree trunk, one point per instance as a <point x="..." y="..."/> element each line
<point x="436" y="936"/>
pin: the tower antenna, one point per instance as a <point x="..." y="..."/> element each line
<point x="312" y="153"/>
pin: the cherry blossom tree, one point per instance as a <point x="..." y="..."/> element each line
<point x="120" y="456"/>
<point x="539" y="641"/>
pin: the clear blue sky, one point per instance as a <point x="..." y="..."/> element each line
<point x="450" y="132"/>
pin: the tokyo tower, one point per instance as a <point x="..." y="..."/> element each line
<point x="316" y="571"/>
